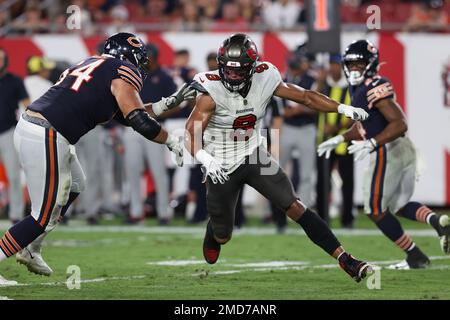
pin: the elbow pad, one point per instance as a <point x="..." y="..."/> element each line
<point x="141" y="122"/>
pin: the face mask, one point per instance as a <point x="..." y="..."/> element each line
<point x="355" y="77"/>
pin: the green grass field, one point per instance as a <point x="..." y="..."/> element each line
<point x="151" y="262"/>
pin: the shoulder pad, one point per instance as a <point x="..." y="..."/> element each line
<point x="197" y="86"/>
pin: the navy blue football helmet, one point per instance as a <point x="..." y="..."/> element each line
<point x="360" y="51"/>
<point x="127" y="46"/>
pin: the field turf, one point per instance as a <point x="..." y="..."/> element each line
<point x="151" y="262"/>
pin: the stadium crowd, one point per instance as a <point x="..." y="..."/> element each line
<point x="110" y="16"/>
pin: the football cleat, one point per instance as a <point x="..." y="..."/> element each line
<point x="402" y="265"/>
<point x="211" y="248"/>
<point x="34" y="262"/>
<point x="415" y="260"/>
<point x="357" y="269"/>
<point x="444" y="233"/>
<point x="5" y="283"/>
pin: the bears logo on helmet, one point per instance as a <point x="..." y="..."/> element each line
<point x="127" y="46"/>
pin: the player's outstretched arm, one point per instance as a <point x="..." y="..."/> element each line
<point x="133" y="110"/>
<point x="396" y="127"/>
<point x="317" y="101"/>
<point x="195" y="126"/>
<point x="165" y="104"/>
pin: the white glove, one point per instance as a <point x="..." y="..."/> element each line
<point x="175" y="144"/>
<point x="362" y="148"/>
<point x="211" y="167"/>
<point x="357" y="114"/>
<point x="329" y="145"/>
<point x="184" y="93"/>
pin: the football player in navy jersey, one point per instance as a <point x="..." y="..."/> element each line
<point x="391" y="175"/>
<point x="92" y="92"/>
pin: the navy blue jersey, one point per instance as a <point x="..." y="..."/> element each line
<point x="82" y="98"/>
<point x="12" y="91"/>
<point x="306" y="81"/>
<point x="366" y="96"/>
<point x="157" y="85"/>
<point x="186" y="74"/>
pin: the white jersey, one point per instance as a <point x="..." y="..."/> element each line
<point x="234" y="130"/>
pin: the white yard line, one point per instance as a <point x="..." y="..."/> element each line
<point x="254" y="231"/>
<point x="63" y="283"/>
<point x="243" y="267"/>
<point x="306" y="265"/>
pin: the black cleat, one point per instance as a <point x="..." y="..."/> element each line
<point x="211" y="248"/>
<point x="357" y="269"/>
<point x="416" y="259"/>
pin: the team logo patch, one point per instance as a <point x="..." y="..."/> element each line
<point x="251" y="52"/>
<point x="134" y="42"/>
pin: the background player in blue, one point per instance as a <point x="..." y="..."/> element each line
<point x="13" y="94"/>
<point x="390" y="178"/>
<point x="158" y="84"/>
<point x="92" y="92"/>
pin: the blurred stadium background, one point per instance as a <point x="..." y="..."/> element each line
<point x="296" y="35"/>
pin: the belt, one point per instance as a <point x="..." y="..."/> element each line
<point x="38" y="121"/>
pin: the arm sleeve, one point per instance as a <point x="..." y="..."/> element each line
<point x="141" y="122"/>
<point x="120" y="119"/>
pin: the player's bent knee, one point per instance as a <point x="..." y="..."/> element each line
<point x="296" y="210"/>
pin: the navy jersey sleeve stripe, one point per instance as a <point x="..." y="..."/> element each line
<point x="380" y="92"/>
<point x="138" y="78"/>
<point x="129" y="76"/>
<point x="130" y="81"/>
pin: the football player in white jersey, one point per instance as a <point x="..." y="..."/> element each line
<point x="222" y="133"/>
